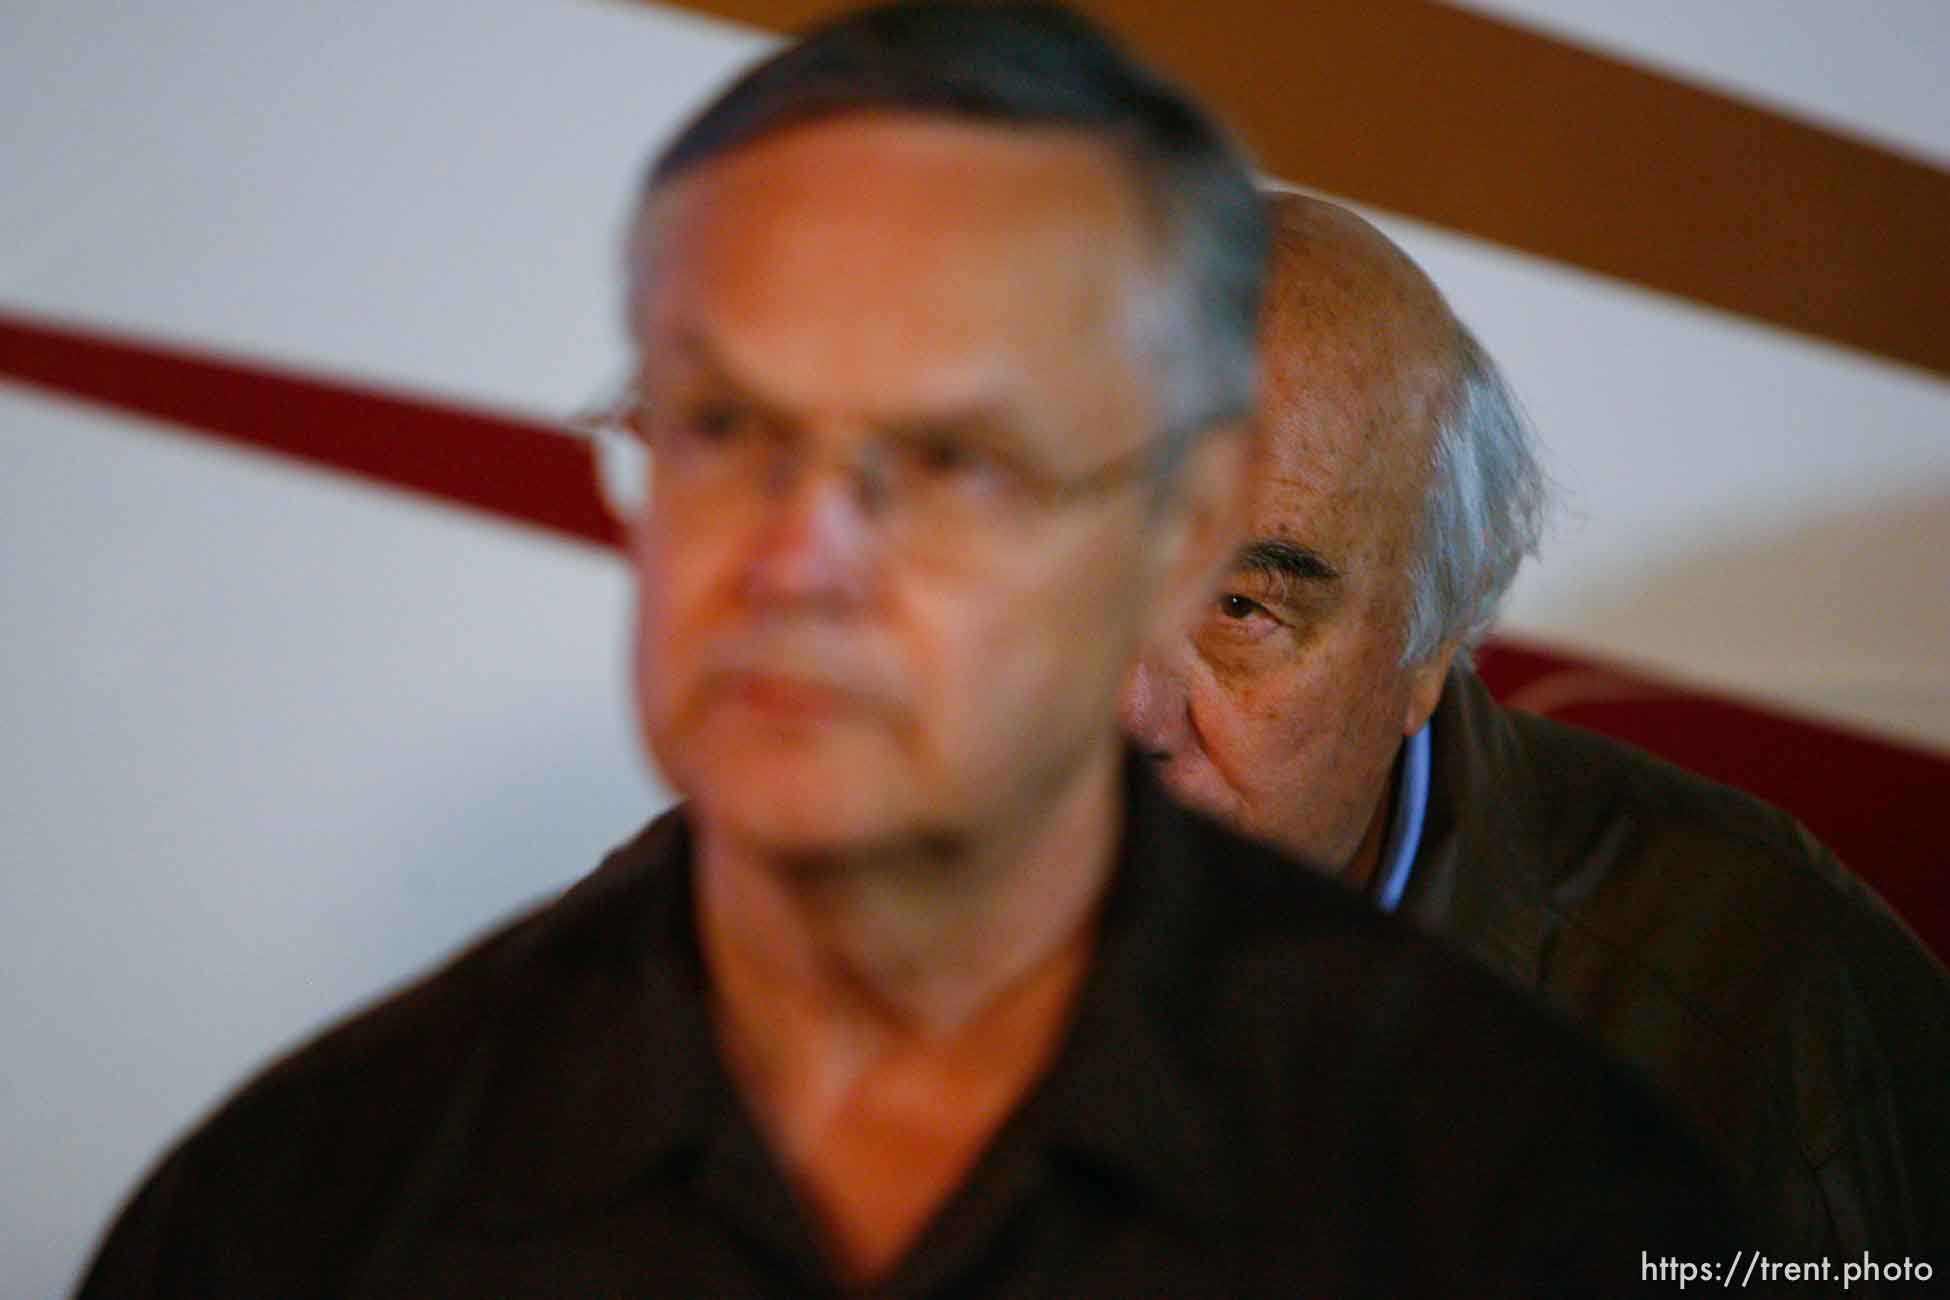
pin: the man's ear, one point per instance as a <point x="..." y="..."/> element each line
<point x="1199" y="527"/>
<point x="1425" y="686"/>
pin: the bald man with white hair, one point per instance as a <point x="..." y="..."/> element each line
<point x="1325" y="703"/>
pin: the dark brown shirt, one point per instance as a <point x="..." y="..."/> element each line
<point x="1266" y="1088"/>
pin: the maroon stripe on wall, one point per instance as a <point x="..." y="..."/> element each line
<point x="531" y="474"/>
<point x="524" y="471"/>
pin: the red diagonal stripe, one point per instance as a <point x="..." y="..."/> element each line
<point x="525" y="471"/>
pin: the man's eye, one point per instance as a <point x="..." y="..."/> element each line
<point x="1237" y="619"/>
<point x="1239" y="608"/>
<point x="933" y="466"/>
<point x="1236" y="630"/>
<point x="716" y="421"/>
<point x="946" y="458"/>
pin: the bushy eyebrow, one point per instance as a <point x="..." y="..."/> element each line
<point x="1285" y="564"/>
<point x="700" y="363"/>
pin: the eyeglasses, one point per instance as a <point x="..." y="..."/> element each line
<point x="723" y="463"/>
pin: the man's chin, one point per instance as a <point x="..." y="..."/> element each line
<point x="1199" y="789"/>
<point x="812" y="840"/>
<point x="804" y="796"/>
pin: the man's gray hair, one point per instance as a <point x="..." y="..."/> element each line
<point x="1484" y="511"/>
<point x="1041" y="65"/>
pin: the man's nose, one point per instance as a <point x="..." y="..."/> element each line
<point x="1153" y="707"/>
<point x="815" y="544"/>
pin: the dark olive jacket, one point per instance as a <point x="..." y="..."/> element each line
<point x="1710" y="940"/>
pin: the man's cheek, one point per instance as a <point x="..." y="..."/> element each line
<point x="1197" y="783"/>
<point x="1226" y="744"/>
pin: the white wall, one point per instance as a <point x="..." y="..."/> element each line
<point x="270" y="741"/>
<point x="1742" y="506"/>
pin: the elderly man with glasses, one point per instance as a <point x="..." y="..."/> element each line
<point x="945" y="320"/>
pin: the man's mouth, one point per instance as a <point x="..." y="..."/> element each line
<point x="789" y="697"/>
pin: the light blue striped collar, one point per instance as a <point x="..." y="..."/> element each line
<point x="1405" y="828"/>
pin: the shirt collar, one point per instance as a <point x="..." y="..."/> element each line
<point x="1405" y="827"/>
<point x="1478" y="870"/>
<point x="603" y="1064"/>
<point x="603" y="1067"/>
<point x="1121" y="1093"/>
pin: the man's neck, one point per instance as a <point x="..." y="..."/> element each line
<point x="914" y="942"/>
<point x="883" y="1017"/>
<point x="1359" y="873"/>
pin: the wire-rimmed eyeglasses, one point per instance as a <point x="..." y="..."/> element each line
<point x="722" y="461"/>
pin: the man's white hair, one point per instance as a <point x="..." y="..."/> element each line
<point x="1483" y="513"/>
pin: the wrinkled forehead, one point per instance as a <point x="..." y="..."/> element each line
<point x="1352" y="423"/>
<point x="1033" y="212"/>
<point x="1359" y="362"/>
<point x="871" y="272"/>
<point x="1344" y="455"/>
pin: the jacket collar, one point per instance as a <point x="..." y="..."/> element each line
<point x="1479" y="872"/>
